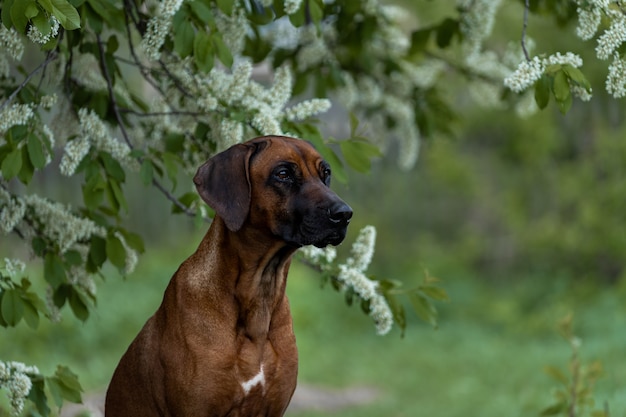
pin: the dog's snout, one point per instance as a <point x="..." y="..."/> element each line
<point x="340" y="213"/>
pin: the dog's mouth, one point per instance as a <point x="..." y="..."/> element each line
<point x="319" y="237"/>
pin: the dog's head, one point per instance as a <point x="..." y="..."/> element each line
<point x="277" y="184"/>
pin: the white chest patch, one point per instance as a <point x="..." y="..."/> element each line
<point x="254" y="381"/>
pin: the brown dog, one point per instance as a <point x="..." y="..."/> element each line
<point x="222" y="342"/>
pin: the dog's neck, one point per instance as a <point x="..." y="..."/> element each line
<point x="256" y="276"/>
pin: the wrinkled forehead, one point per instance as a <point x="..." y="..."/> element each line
<point x="284" y="149"/>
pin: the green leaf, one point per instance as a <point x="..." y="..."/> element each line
<point x="53" y="270"/>
<point x="146" y="172"/>
<point x="12" y="164"/>
<point x="419" y="40"/>
<point x="183" y="39"/>
<point x="223" y="52"/>
<point x="97" y="251"/>
<point x="560" y="87"/>
<point x="115" y="251"/>
<point x="436" y="293"/>
<point x="202" y="12"/>
<point x="78" y="304"/>
<point x="316" y="10"/>
<point x="66" y="13"/>
<point x="556" y="374"/>
<point x="37" y="396"/>
<point x="119" y="195"/>
<point x="226" y="6"/>
<point x="35" y="151"/>
<point x="73" y="258"/>
<point x="113" y="167"/>
<point x="5" y="12"/>
<point x="423" y="308"/>
<point x="446" y="31"/>
<point x="12" y="307"/>
<point x="27" y="170"/>
<point x="18" y="14"/>
<point x="542" y="91"/>
<point x="358" y="154"/>
<point x="203" y="51"/>
<point x="31" y="315"/>
<point x="577" y="76"/>
<point x="170" y="161"/>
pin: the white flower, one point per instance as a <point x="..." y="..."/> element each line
<point x="525" y="75"/>
<point x="15" y="114"/>
<point x="11" y="43"/>
<point x="74" y="152"/>
<point x="14" y="267"/>
<point x="231" y="133"/>
<point x="14" y="378"/>
<point x="362" y="249"/>
<point x="308" y="108"/>
<point x="611" y="39"/>
<point x="616" y="80"/>
<point x="131" y="255"/>
<point x="477" y="21"/>
<point x="588" y="22"/>
<point x="319" y="256"/>
<point x="59" y="224"/>
<point x="292" y="6"/>
<point x="12" y="213"/>
<point x="266" y="124"/>
<point x="37" y="37"/>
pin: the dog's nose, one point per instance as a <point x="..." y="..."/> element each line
<point x="340" y="213"/>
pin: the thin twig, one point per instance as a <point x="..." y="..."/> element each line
<point x="524" y="27"/>
<point x="49" y="58"/>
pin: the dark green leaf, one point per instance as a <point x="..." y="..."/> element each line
<point x="66" y="13"/>
<point x="560" y="87"/>
<point x="53" y="270"/>
<point x="12" y="307"/>
<point x="37" y="395"/>
<point x="542" y="91"/>
<point x="446" y="31"/>
<point x="73" y="258"/>
<point x="146" y="172"/>
<point x="577" y="76"/>
<point x="171" y="166"/>
<point x="12" y="164"/>
<point x="115" y="251"/>
<point x="419" y="40"/>
<point x="223" y="52"/>
<point x="113" y="168"/>
<point x="202" y="12"/>
<point x="119" y="195"/>
<point x="27" y="170"/>
<point x="97" y="251"/>
<point x="183" y="39"/>
<point x="31" y="315"/>
<point x="18" y="14"/>
<point x="133" y="240"/>
<point x="35" y="151"/>
<point x="6" y="13"/>
<point x="203" y="51"/>
<point x="226" y="6"/>
<point x="358" y="154"/>
<point x="78" y="304"/>
<point x="39" y="246"/>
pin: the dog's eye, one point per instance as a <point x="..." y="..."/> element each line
<point x="283" y="174"/>
<point x="326" y="175"/>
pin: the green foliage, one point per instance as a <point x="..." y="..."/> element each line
<point x="574" y="398"/>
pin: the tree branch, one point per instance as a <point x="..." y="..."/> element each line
<point x="524" y="27"/>
<point x="49" y="58"/>
<point x="120" y="122"/>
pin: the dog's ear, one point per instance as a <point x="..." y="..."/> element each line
<point x="223" y="182"/>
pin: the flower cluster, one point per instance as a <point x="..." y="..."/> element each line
<point x="93" y="132"/>
<point x="529" y="72"/>
<point x="11" y="43"/>
<point x="15" y="378"/>
<point x="59" y="224"/>
<point x="159" y="27"/>
<point x="351" y="274"/>
<point x="14" y="267"/>
<point x="13" y="210"/>
<point x="35" y="35"/>
<point x="477" y="22"/>
<point x="16" y="114"/>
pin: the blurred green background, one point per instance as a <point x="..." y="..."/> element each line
<point x="523" y="220"/>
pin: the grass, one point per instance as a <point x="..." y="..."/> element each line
<point x="485" y="359"/>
